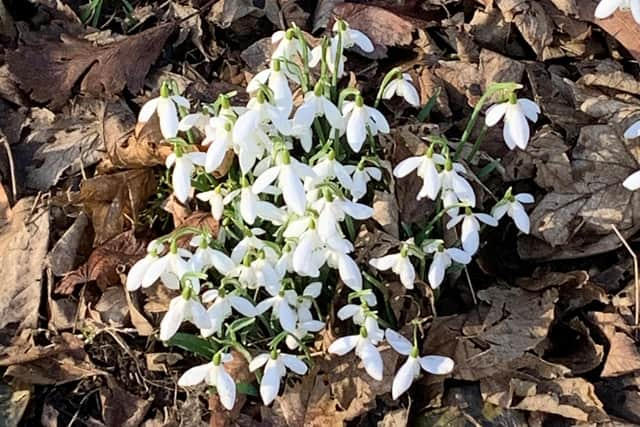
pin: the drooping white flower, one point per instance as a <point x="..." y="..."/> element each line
<point x="410" y="370"/>
<point x="183" y="166"/>
<point x="330" y="58"/>
<point x="632" y="182"/>
<point x="206" y="257"/>
<point x="252" y="241"/>
<point x="251" y="207"/>
<point x="402" y="87"/>
<point x="351" y="37"/>
<point x="280" y="305"/>
<point x="398" y="263"/>
<point x="512" y="206"/>
<point x="606" y="8"/>
<point x="442" y="259"/>
<point x="221" y="309"/>
<point x="455" y="185"/>
<point x="197" y="120"/>
<point x="515" y="112"/>
<point x="275" y="368"/>
<point x="215" y="198"/>
<point x="276" y="80"/>
<point x="288" y="45"/>
<point x="308" y="255"/>
<point x="358" y="312"/>
<point x="214" y="374"/>
<point x="165" y="107"/>
<point x="364" y="344"/>
<point x="332" y="211"/>
<point x="219" y="139"/>
<point x="289" y="173"/>
<point x="360" y="177"/>
<point x="185" y="307"/>
<point x="427" y="169"/>
<point x="360" y="118"/>
<point x="316" y="105"/>
<point x="470" y="234"/>
<point x="337" y="251"/>
<point x="169" y="268"/>
<point x="329" y="167"/>
<point x="139" y="269"/>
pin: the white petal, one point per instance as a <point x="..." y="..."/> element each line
<point x="137" y="272"/>
<point x="313" y="290"/>
<point x="270" y="384"/>
<point x="154" y="271"/>
<point x="398" y="342"/>
<point x="147" y="110"/>
<point x="199" y="315"/>
<point x="265" y="179"/>
<point x="469" y="236"/>
<point x="516" y="129"/>
<point x="173" y="318"/>
<point x="390" y="90"/>
<point x="361" y="40"/>
<point x="404" y="377"/>
<point x="529" y="108"/>
<point x="243" y="306"/>
<point x="407" y="272"/>
<point x="487" y="219"/>
<point x="633" y="131"/>
<point x="221" y="262"/>
<point x="257" y="80"/>
<point x="180" y="100"/>
<point x="411" y="94"/>
<point x="632" y="183"/>
<point x="436" y="270"/>
<point x="168" y="117"/>
<point x="459" y="256"/>
<point x="226" y="388"/>
<point x="350" y="273"/>
<point x="606" y="8"/>
<point x="287" y="317"/>
<point x="305" y="114"/>
<point x="356" y="129"/>
<point x="520" y="218"/>
<point x="348" y="311"/>
<point x="292" y="190"/>
<point x="381" y="122"/>
<point x="181" y="179"/>
<point x="525" y="198"/>
<point x="356" y="210"/>
<point x="439" y="365"/>
<point x="258" y="361"/>
<point x="407" y="166"/>
<point x="499" y="210"/>
<point x="495" y="113"/>
<point x="384" y="263"/>
<point x="344" y="345"/>
<point x="371" y="360"/>
<point x="294" y="364"/>
<point x="332" y="114"/>
<point x="195" y="375"/>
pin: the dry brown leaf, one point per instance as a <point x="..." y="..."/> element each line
<point x="101" y="70"/>
<point x="62" y="361"/>
<point x="385" y="212"/>
<point x="572" y="224"/>
<point x="62" y="257"/>
<point x="66" y="142"/>
<point x="113" y="307"/>
<point x="23" y="244"/>
<point x="517" y="321"/>
<point x="105" y="262"/>
<point x="121" y="408"/>
<point x="623" y="356"/>
<point x="160" y="362"/>
<point x="224" y="13"/>
<point x="114" y="201"/>
<point x="496" y="68"/>
<point x="532" y="21"/>
<point x="621" y="397"/>
<point x="13" y="400"/>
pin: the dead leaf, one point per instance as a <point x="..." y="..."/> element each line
<point x="61" y="362"/>
<point x="66" y="142"/>
<point x="533" y="23"/>
<point x="13" y="400"/>
<point x="114" y="201"/>
<point x="623" y="356"/>
<point x="121" y="408"/>
<point x="385" y="212"/>
<point x="105" y="262"/>
<point x="397" y="418"/>
<point x="23" y="244"/>
<point x="113" y="307"/>
<point x="496" y="68"/>
<point x="224" y="13"/>
<point x="100" y="70"/>
<point x="160" y="362"/>
<point x="621" y="397"/>
<point x="62" y="257"/>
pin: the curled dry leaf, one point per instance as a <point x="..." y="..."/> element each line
<point x="531" y="19"/>
<point x="105" y="262"/>
<point x="99" y="70"/>
<point x="62" y="257"/>
<point x="121" y="408"/>
<point x="623" y="356"/>
<point x="23" y="245"/>
<point x="114" y="201"/>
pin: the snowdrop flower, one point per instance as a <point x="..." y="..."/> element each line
<point x="219" y="138"/>
<point x="332" y="210"/>
<point x="352" y="37"/>
<point x="288" y="45"/>
<point x="316" y="105"/>
<point x="633" y="131"/>
<point x="360" y="177"/>
<point x="289" y="173"/>
<point x="168" y="268"/>
<point x="330" y="58"/>
<point x="512" y="206"/>
<point x="185" y="307"/>
<point x="337" y="257"/>
<point x="205" y="256"/>
<point x="515" y="112"/>
<point x="279" y="303"/>
<point x="275" y="368"/>
<point x="606" y="8"/>
<point x="214" y="374"/>
<point x="632" y="183"/>
<point x="359" y="118"/>
<point x="140" y="268"/>
<point x="329" y="168"/>
<point x="470" y="235"/>
<point x="276" y="80"/>
<point x="197" y="120"/>
<point x="454" y="184"/>
<point x="215" y="198"/>
<point x="442" y="259"/>
<point x="398" y="263"/>
<point x="410" y="370"/>
<point x="252" y="241"/>
<point x="222" y="306"/>
<point x="251" y="207"/>
<point x="358" y="313"/>
<point x="365" y="347"/>
<point x="165" y="107"/>
<point x="402" y="87"/>
<point x="308" y="256"/>
<point x="183" y="166"/>
<point x="427" y="169"/>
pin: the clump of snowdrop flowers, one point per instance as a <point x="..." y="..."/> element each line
<point x="297" y="183"/>
<point x="606" y="8"/>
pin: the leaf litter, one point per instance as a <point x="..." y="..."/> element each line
<point x="552" y="336"/>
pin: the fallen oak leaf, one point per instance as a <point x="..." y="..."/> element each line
<point x="50" y="69"/>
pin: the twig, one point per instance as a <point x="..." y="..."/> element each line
<point x="473" y="292"/>
<point x="12" y="169"/>
<point x="636" y="278"/>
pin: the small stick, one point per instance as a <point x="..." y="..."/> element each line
<point x="473" y="292"/>
<point x="12" y="169"/>
<point x="636" y="278"/>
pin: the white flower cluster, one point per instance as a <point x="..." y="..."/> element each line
<point x="606" y="8"/>
<point x="296" y="184"/>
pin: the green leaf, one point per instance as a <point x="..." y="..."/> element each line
<point x="241" y="324"/>
<point x="423" y="115"/>
<point x="486" y="171"/>
<point x="193" y="344"/>
<point x="248" y="389"/>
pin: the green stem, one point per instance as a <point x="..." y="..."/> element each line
<point x="336" y="66"/>
<point x="387" y="78"/>
<point x="476" y="145"/>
